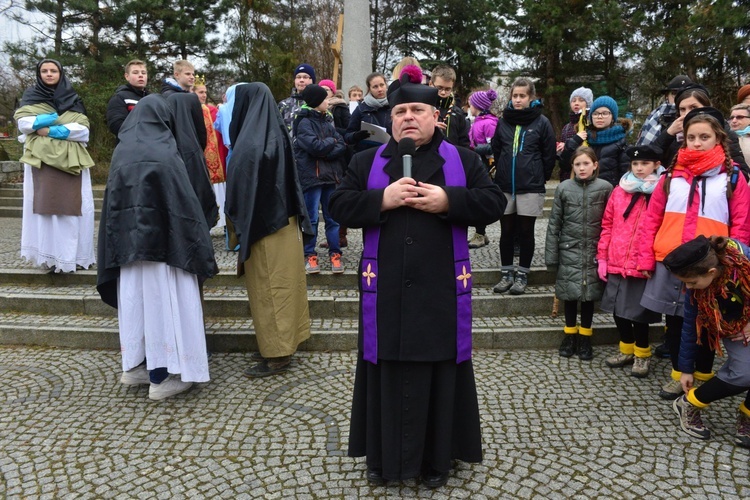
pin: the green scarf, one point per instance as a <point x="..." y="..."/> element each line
<point x="69" y="156"/>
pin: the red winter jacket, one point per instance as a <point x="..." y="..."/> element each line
<point x="618" y="242"/>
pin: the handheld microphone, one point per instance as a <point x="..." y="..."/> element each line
<point x="406" y="148"/>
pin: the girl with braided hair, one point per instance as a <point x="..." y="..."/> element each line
<point x="716" y="273"/>
<point x="702" y="193"/>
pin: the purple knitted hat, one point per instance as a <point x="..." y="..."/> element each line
<point x="482" y="99"/>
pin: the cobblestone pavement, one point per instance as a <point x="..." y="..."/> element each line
<point x="552" y="428"/>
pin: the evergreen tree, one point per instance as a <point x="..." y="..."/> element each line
<point x="461" y="33"/>
<point x="554" y="39"/>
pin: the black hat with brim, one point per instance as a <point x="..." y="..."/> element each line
<point x="687" y="255"/>
<point x="645" y="152"/>
<point x="676" y="83"/>
<point x="403" y="91"/>
<point x="707" y="110"/>
<point x="690" y="86"/>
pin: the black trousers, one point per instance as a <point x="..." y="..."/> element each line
<point x="522" y="227"/>
<point x="704" y="362"/>
<point x="571" y="313"/>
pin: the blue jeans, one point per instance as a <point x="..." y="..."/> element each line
<point x="319" y="195"/>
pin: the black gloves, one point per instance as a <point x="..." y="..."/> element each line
<point x="361" y="135"/>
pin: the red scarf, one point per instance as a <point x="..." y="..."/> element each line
<point x="700" y="162"/>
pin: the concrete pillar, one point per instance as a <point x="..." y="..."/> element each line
<point x="356" y="50"/>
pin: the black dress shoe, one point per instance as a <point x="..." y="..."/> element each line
<point x="268" y="367"/>
<point x="434" y="479"/>
<point x="375" y="476"/>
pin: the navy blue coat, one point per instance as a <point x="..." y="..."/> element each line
<point x="365" y="113"/>
<point x="318" y="149"/>
<point x="689" y="343"/>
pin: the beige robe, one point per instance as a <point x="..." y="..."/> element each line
<point x="277" y="290"/>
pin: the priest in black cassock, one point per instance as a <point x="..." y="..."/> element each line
<point x="415" y="404"/>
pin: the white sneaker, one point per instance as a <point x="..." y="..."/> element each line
<point x="136" y="376"/>
<point x="172" y="385"/>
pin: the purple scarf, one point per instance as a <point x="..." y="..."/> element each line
<point x="378" y="179"/>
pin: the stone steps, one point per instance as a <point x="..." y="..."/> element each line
<point x="65" y="310"/>
<point x="237" y="334"/>
<point x="42" y="308"/>
<point x="11" y="201"/>
<point x="15" y="190"/>
<point x="483" y="277"/>
<point x="231" y="301"/>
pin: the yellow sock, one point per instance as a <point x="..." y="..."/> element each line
<point x="626" y="348"/>
<point x="703" y="376"/>
<point x="586" y="332"/>
<point x="570" y="330"/>
<point x="694" y="401"/>
<point x="744" y="409"/>
<point x="676" y="375"/>
<point x="642" y="352"/>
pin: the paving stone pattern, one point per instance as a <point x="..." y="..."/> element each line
<point x="551" y="427"/>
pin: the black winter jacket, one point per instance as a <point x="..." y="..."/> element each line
<point x="457" y="131"/>
<point x="613" y="162"/>
<point x="364" y="113"/>
<point x="535" y="159"/>
<point x="122" y="103"/>
<point x="341" y="116"/>
<point x="318" y="149"/>
<point x="168" y="89"/>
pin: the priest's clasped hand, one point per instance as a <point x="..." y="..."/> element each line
<point x="421" y="196"/>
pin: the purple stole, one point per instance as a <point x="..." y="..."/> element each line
<point x="454" y="176"/>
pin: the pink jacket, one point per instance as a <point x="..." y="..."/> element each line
<point x="618" y="243"/>
<point x="482" y="129"/>
<point x="673" y="220"/>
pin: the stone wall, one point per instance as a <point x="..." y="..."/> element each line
<point x="11" y="171"/>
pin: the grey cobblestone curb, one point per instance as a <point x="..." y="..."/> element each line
<point x="328" y="334"/>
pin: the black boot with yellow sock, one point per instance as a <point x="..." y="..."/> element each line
<point x="584" y="350"/>
<point x="569" y="344"/>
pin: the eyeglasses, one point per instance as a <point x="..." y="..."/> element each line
<point x="739" y="117"/>
<point x="601" y="114"/>
<point x="444" y="90"/>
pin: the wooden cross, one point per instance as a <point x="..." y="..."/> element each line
<point x="336" y="49"/>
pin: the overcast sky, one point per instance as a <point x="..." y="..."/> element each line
<point x="11" y="31"/>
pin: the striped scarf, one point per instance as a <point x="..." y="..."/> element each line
<point x="733" y="285"/>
